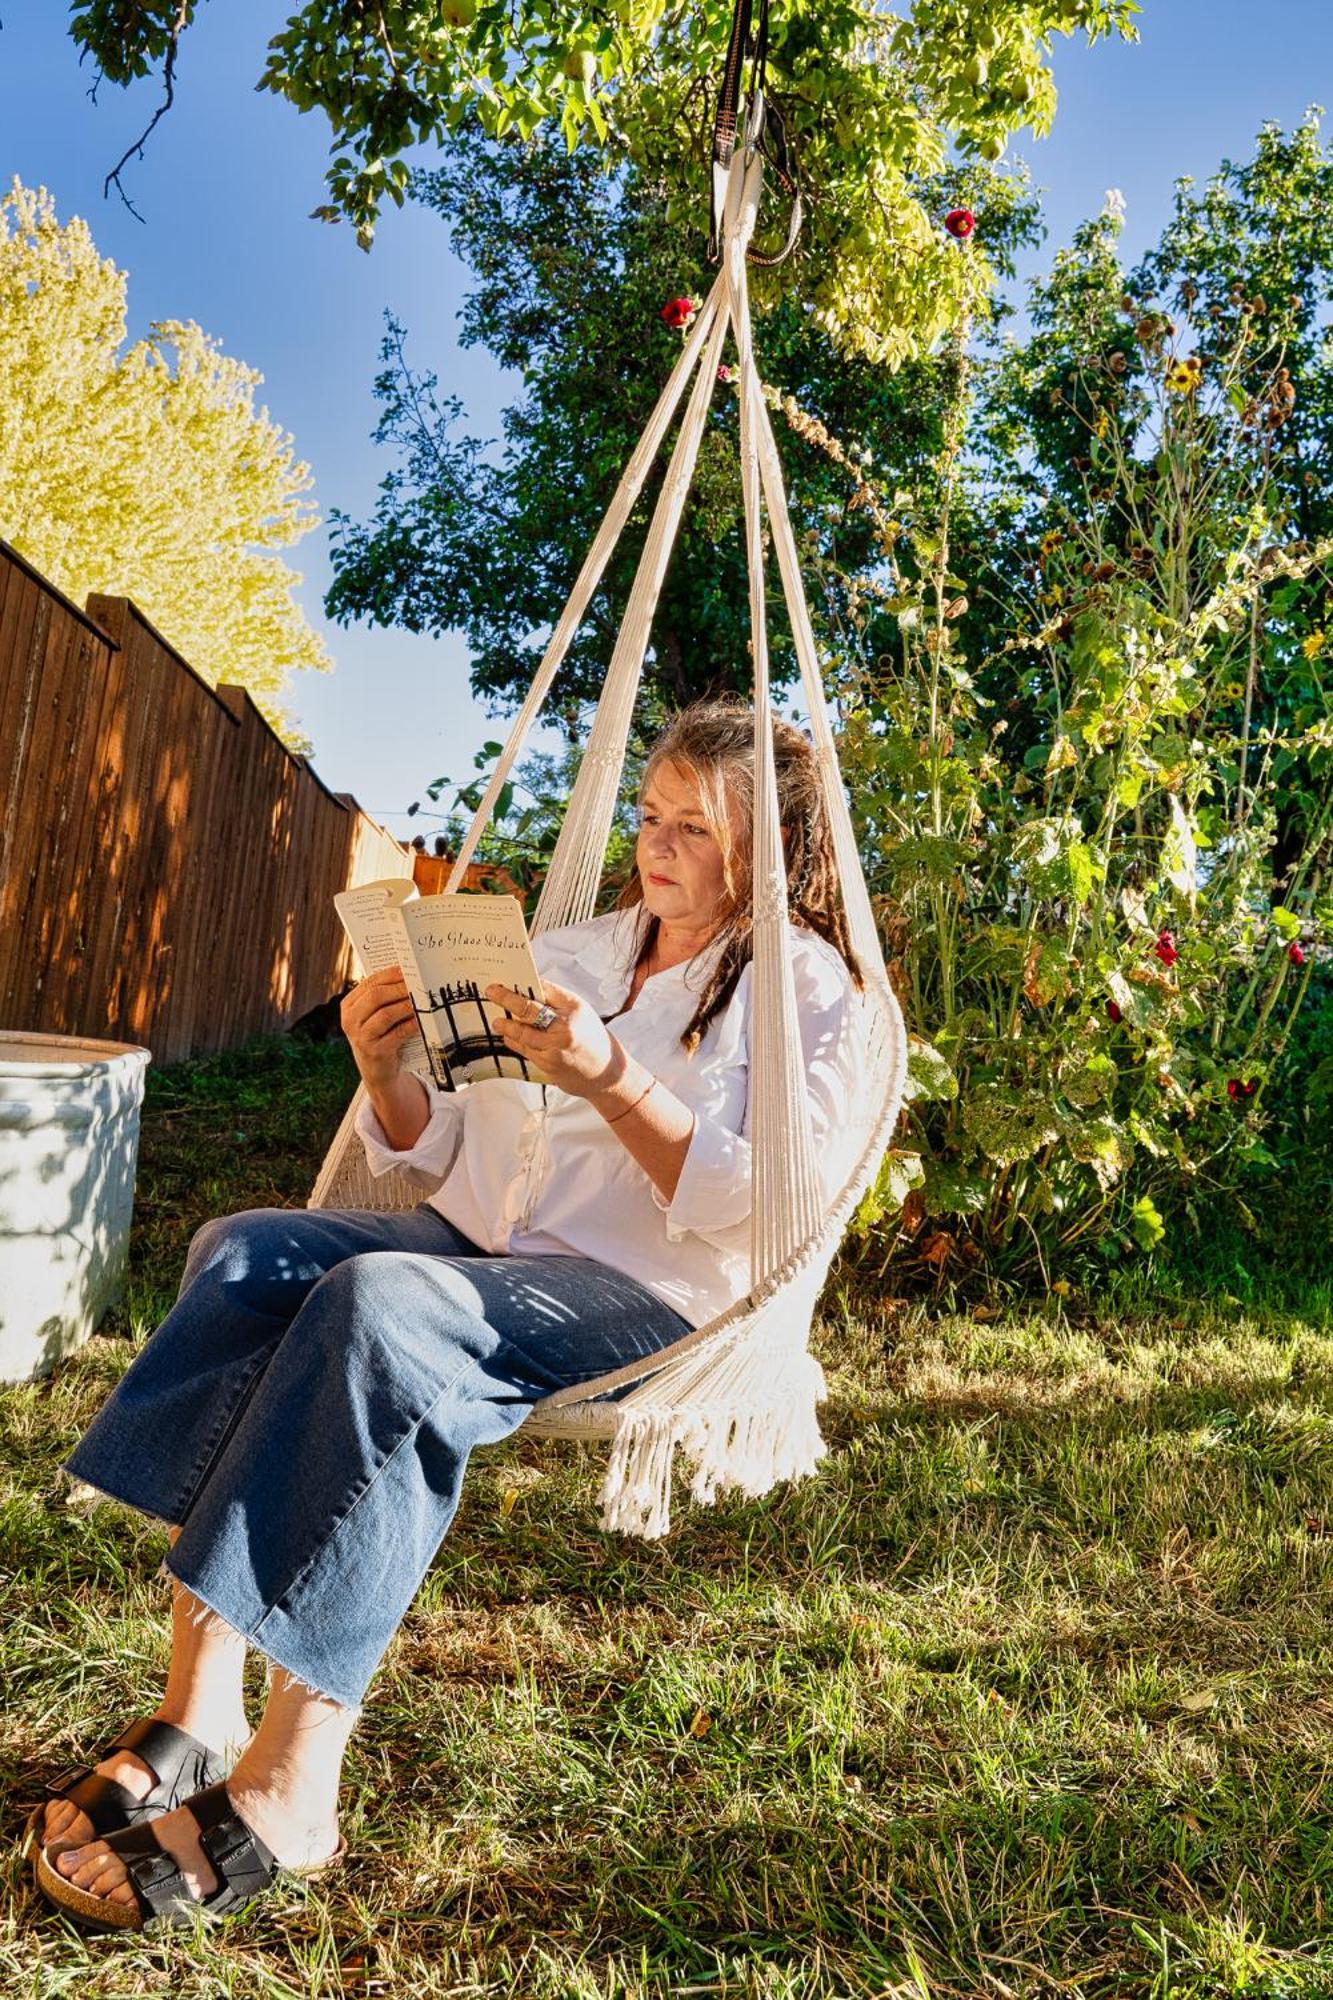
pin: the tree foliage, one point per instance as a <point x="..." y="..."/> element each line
<point x="145" y="471"/>
<point x="875" y="97"/>
<point x="571" y="271"/>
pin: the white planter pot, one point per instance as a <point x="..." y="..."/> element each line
<point x="69" y="1138"/>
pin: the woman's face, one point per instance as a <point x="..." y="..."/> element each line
<point x="678" y="859"/>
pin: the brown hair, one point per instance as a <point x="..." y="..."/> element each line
<point x="714" y="742"/>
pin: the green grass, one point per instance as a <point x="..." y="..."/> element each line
<point x="1028" y="1692"/>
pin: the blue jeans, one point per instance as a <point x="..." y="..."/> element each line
<point x="305" y="1412"/>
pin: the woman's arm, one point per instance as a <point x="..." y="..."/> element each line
<point x="402" y="1107"/>
<point x="649" y="1120"/>
<point x="580" y="1055"/>
<point x="377" y="1018"/>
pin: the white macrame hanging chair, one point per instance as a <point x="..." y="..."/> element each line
<point x="739" y="1394"/>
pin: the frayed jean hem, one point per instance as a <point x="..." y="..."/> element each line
<point x="72" y="1482"/>
<point x="282" y="1677"/>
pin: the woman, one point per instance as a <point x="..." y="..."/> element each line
<point x="302" y="1418"/>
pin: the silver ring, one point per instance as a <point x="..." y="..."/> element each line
<point x="544" y="1017"/>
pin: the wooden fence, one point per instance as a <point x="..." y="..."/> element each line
<point x="167" y="867"/>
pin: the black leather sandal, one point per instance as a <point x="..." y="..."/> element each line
<point x="180" y="1765"/>
<point x="242" y="1863"/>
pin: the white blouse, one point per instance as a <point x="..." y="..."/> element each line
<point x="525" y="1169"/>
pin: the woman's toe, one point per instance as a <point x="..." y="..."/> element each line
<point x="82" y="1865"/>
<point x="109" y="1880"/>
<point x="64" y="1821"/>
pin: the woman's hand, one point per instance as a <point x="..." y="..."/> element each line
<point x="575" y="1052"/>
<point x="377" y="1018"/>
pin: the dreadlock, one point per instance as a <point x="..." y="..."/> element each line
<point x="714" y="742"/>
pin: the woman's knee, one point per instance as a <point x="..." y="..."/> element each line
<point x="254" y="1247"/>
<point x="398" y="1300"/>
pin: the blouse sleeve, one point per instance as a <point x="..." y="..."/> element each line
<point x="430" y="1161"/>
<point x="713" y="1194"/>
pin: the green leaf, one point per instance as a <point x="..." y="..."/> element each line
<point x="1009" y="1125"/>
<point x="929" y="1077"/>
<point x="900" y="1173"/>
<point x="1084" y="871"/>
<point x="1179" y="857"/>
<point x="1146" y="1224"/>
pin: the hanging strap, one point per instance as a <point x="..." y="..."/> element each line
<point x="729" y="97"/>
<point x="861" y="924"/>
<point x="763" y="115"/>
<point x="785" y="1202"/>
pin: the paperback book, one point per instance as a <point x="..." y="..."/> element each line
<point x="449" y="949"/>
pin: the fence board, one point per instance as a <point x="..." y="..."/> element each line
<point x="67" y="968"/>
<point x="22" y="699"/>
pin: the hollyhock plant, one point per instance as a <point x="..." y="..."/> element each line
<point x="1165" y="948"/>
<point x="678" y="313"/>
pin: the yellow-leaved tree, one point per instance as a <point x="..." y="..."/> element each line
<point x="146" y="471"/>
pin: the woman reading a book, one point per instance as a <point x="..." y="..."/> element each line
<point x="303" y="1417"/>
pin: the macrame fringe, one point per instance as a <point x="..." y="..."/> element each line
<point x="767" y="1434"/>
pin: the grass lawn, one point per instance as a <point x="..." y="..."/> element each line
<point x="1028" y="1692"/>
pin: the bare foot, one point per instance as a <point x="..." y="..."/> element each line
<point x="64" y="1824"/>
<point x="97" y="1870"/>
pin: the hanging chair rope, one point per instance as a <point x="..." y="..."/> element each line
<point x="740" y="1393"/>
<point x="608" y="535"/>
<point x="569" y="891"/>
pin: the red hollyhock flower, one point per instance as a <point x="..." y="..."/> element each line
<point x="1235" y="1088"/>
<point x="1251" y="1086"/>
<point x="1165" y="948"/>
<point x="960" y="222"/>
<point x="678" y="313"/>
<point x="1113" y="1012"/>
<point x="1295" y="954"/>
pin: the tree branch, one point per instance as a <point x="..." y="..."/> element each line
<point x="169" y="78"/>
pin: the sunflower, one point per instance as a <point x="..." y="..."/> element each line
<point x="1182" y="377"/>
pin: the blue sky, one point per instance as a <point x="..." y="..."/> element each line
<point x="231" y="175"/>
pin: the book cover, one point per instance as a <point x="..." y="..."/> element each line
<point x="449" y="948"/>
